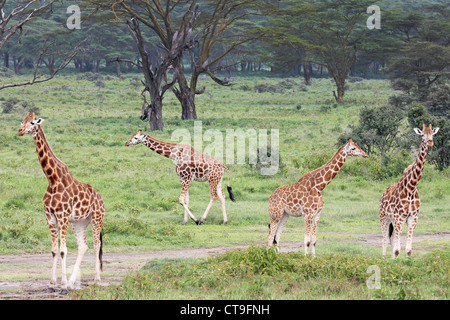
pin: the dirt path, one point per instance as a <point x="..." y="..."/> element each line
<point x="27" y="276"/>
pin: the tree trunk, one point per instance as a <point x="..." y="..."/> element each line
<point x="154" y="114"/>
<point x="6" y="60"/>
<point x="18" y="64"/>
<point x="155" y="117"/>
<point x="307" y="71"/>
<point x="51" y="65"/>
<point x="186" y="95"/>
<point x="340" y="83"/>
<point x="118" y="69"/>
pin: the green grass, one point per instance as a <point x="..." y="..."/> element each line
<point x="87" y="127"/>
<point x="260" y="273"/>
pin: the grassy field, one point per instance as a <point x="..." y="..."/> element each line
<point x="88" y="122"/>
<point x="260" y="273"/>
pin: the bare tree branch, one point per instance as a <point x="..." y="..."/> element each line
<point x="5" y="34"/>
<point x="67" y="58"/>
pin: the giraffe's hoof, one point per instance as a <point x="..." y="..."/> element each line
<point x="183" y="223"/>
<point x="198" y="222"/>
<point x="64" y="291"/>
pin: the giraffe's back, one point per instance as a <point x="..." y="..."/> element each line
<point x="198" y="166"/>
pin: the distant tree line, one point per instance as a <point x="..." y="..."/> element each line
<point x="171" y="43"/>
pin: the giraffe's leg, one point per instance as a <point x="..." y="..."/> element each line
<point x="202" y="220"/>
<point x="186" y="201"/>
<point x="184" y="191"/>
<point x="221" y="196"/>
<point x="63" y="226"/>
<point x="275" y="215"/>
<point x="412" y="223"/>
<point x="314" y="231"/>
<point x="385" y="232"/>
<point x="53" y="226"/>
<point x="79" y="229"/>
<point x="398" y="227"/>
<point x="280" y="227"/>
<point x="213" y="189"/>
<point x="97" y="223"/>
<point x="309" y="222"/>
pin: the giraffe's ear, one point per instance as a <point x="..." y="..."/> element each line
<point x="37" y="122"/>
<point x="418" y="131"/>
<point x="435" y="130"/>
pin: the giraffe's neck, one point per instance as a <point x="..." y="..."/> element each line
<point x="412" y="175"/>
<point x="160" y="147"/>
<point x="54" y="169"/>
<point x="329" y="170"/>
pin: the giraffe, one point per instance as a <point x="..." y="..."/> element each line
<point x="190" y="165"/>
<point x="304" y="198"/>
<point x="400" y="202"/>
<point x="66" y="201"/>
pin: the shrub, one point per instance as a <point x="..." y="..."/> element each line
<point x="376" y="132"/>
<point x="267" y="87"/>
<point x="9" y="104"/>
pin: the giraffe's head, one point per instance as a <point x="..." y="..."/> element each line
<point x="29" y="124"/>
<point x="354" y="150"/>
<point x="427" y="134"/>
<point x="137" y="138"/>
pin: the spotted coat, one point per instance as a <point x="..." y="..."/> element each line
<point x="66" y="200"/>
<point x="304" y="198"/>
<point x="190" y="165"/>
<point x="400" y="202"/>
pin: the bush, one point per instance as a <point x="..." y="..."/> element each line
<point x="287" y="83"/>
<point x="267" y="87"/>
<point x="376" y="132"/>
<point x="90" y="76"/>
<point x="9" y="104"/>
<point x="438" y="102"/>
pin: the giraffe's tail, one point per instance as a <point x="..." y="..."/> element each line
<point x="230" y="191"/>
<point x="100" y="252"/>
<point x="391" y="230"/>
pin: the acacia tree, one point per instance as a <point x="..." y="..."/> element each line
<point x="13" y="19"/>
<point x="332" y="32"/>
<point x="222" y="27"/>
<point x="424" y="57"/>
<point x="173" y="23"/>
<point x="174" y="34"/>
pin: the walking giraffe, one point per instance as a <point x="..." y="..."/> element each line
<point x="304" y="198"/>
<point x="66" y="200"/>
<point x="400" y="202"/>
<point x="190" y="165"/>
